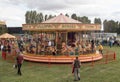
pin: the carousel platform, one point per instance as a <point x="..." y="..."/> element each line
<point x="61" y="59"/>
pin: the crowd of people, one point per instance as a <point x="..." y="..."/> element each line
<point x="10" y="47"/>
<point x="79" y="47"/>
<point x="7" y="47"/>
<point x="51" y="48"/>
<point x="47" y="47"/>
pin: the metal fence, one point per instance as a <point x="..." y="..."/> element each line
<point x="108" y="56"/>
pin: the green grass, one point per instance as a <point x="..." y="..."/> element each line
<point x="36" y="72"/>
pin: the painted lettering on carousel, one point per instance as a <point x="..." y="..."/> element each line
<point x="44" y="26"/>
<point x="90" y="26"/>
<point x="38" y="26"/>
<point x="68" y="26"/>
<point x="61" y="26"/>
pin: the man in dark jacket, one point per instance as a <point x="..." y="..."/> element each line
<point x="19" y="62"/>
<point x="76" y="71"/>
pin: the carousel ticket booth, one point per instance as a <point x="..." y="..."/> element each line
<point x="62" y="32"/>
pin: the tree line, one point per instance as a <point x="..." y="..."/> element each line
<point x="3" y="29"/>
<point x="111" y="26"/>
<point x="32" y="17"/>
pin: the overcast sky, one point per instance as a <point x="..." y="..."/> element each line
<point x="13" y="11"/>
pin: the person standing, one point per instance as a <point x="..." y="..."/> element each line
<point x="9" y="49"/>
<point x="92" y="45"/>
<point x="19" y="62"/>
<point x="1" y="48"/>
<point x="100" y="47"/>
<point x="4" y="49"/>
<point x="76" y="69"/>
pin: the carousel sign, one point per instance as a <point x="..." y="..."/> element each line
<point x="61" y="27"/>
<point x="68" y="26"/>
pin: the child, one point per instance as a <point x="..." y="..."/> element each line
<point x="100" y="47"/>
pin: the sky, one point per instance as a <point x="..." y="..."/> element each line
<point x="13" y="11"/>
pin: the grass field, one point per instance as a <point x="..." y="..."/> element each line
<point x="36" y="72"/>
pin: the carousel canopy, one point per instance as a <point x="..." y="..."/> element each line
<point x="61" y="23"/>
<point x="7" y="36"/>
<point x="61" y="19"/>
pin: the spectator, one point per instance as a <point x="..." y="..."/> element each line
<point x="76" y="69"/>
<point x="9" y="49"/>
<point x="92" y="45"/>
<point x="19" y="62"/>
<point x="4" y="49"/>
<point x="100" y="47"/>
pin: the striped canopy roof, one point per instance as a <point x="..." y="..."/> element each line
<point x="2" y="23"/>
<point x="61" y="19"/>
<point x="6" y="36"/>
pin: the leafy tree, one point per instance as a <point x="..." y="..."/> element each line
<point x="118" y="29"/>
<point x="79" y="18"/>
<point x="46" y="17"/>
<point x="66" y="15"/>
<point x="111" y="26"/>
<point x="97" y="21"/>
<point x="31" y="16"/>
<point x="41" y="17"/>
<point x="105" y="25"/>
<point x="85" y="20"/>
<point x="34" y="15"/>
<point x="74" y="16"/>
<point x="50" y="16"/>
<point x="3" y="29"/>
<point x="27" y="17"/>
<point x="37" y="18"/>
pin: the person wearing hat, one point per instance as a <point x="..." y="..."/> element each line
<point x="76" y="69"/>
<point x="19" y="60"/>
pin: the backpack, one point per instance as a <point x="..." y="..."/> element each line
<point x="76" y="64"/>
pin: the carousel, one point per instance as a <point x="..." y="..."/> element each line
<point x="60" y="40"/>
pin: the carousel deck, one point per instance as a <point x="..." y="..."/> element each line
<point x="61" y="59"/>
